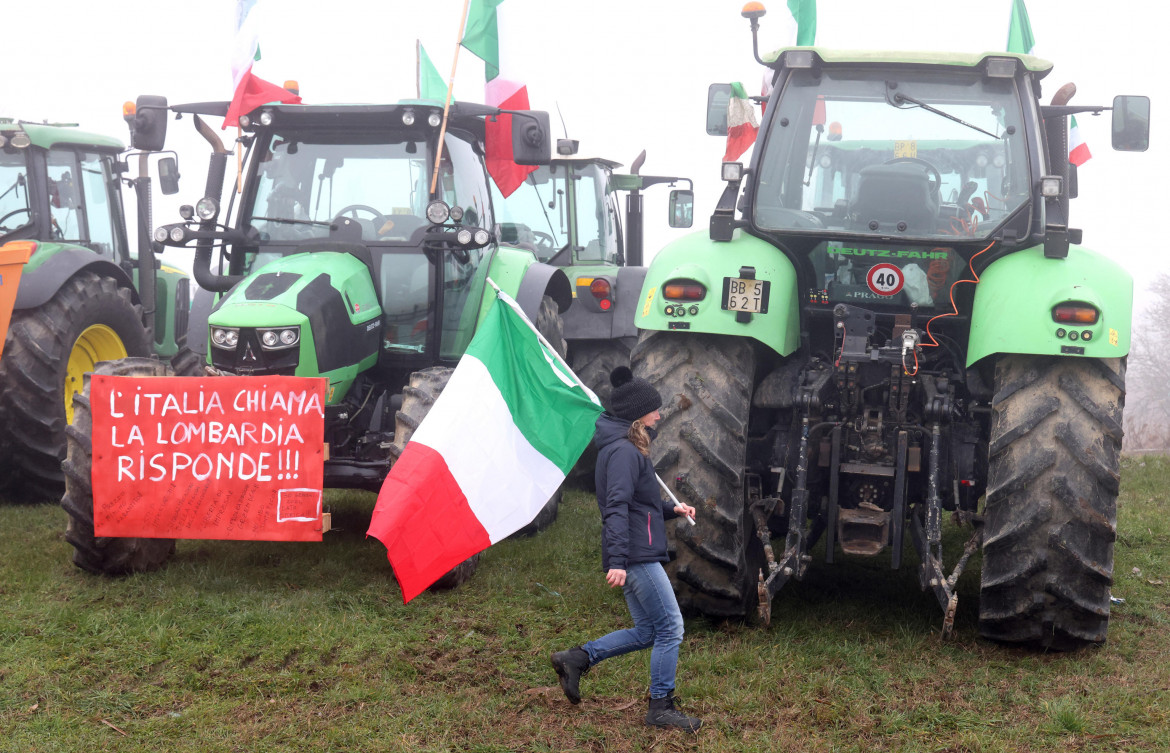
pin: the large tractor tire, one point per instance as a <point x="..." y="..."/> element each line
<point x="593" y="361"/>
<point x="1051" y="506"/>
<point x="700" y="452"/>
<point x="46" y="356"/>
<point x="102" y="554"/>
<point x="187" y="362"/>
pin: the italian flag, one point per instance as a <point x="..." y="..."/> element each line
<point x="1078" y="150"/>
<point x="250" y="91"/>
<point x="741" y="123"/>
<point x="493" y="449"/>
<point x="481" y="36"/>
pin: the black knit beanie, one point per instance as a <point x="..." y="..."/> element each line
<point x="631" y="398"/>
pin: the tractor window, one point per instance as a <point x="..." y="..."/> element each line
<point x="304" y="182"/>
<point x="100" y="189"/>
<point x="596" y="218"/>
<point x="66" y="211"/>
<point x="862" y="153"/>
<point x="405" y="288"/>
<point x="15" y="209"/>
<point x="536" y="215"/>
<point x="463" y="284"/>
<point x="464" y="181"/>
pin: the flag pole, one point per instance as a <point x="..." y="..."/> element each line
<point x="673" y="498"/>
<point x="447" y="102"/>
<point x="501" y="295"/>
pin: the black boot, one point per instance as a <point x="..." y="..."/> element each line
<point x="570" y="665"/>
<point x="663" y="714"/>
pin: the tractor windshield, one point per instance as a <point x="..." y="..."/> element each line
<point x="15" y="209"/>
<point x="913" y="156"/>
<point x="307" y="180"/>
<point x="536" y="215"/>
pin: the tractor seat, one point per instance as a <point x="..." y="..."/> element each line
<point x="890" y="194"/>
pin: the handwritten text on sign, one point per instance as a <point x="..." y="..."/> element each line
<point x="208" y="458"/>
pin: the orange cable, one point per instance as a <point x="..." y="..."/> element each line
<point x="955" y="309"/>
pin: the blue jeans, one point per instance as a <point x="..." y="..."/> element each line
<point x="657" y="622"/>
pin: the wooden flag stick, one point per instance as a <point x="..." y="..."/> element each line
<point x="447" y="102"/>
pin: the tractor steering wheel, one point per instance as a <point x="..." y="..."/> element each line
<point x="15" y="212"/>
<point x="932" y="172"/>
<point x="354" y="208"/>
<point x="545" y="243"/>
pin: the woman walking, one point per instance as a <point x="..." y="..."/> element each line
<point x="633" y="548"/>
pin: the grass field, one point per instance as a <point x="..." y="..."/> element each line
<point x="307" y="647"/>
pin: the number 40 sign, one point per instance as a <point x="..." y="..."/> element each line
<point x="885" y="279"/>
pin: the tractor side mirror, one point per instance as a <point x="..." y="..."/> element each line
<point x="682" y="208"/>
<point x="718" y="97"/>
<point x="1131" y="123"/>
<point x="531" y="143"/>
<point x="148" y="132"/>
<point x="168" y="175"/>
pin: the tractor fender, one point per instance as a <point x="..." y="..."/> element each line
<point x="540" y="280"/>
<point x="40" y="281"/>
<point x="696" y="257"/>
<point x="629" y="283"/>
<point x="1012" y="311"/>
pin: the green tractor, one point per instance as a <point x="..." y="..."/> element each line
<point x="83" y="296"/>
<point x="360" y="252"/>
<point x="568" y="213"/>
<point x="897" y="323"/>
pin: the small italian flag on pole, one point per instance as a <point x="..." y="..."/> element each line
<point x="741" y="123"/>
<point x="1078" y="150"/>
<point x="495" y="446"/>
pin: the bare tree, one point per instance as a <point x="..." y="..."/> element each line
<point x="1147" y="402"/>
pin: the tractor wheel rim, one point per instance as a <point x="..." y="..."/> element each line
<point x="96" y="343"/>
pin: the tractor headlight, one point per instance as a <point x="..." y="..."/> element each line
<point x="482" y="237"/>
<point x="178" y="234"/>
<point x="266" y="118"/>
<point x="225" y="337"/>
<point x="438" y="212"/>
<point x="463" y="237"/>
<point x="434" y="119"/>
<point x="161" y="234"/>
<point x="278" y="338"/>
<point x="456" y="213"/>
<point x="408" y="118"/>
<point x="207" y="208"/>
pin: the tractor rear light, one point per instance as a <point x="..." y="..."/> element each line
<point x="684" y="291"/>
<point x="1075" y="313"/>
<point x="600" y="288"/>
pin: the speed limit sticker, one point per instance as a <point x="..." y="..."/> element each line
<point x="885" y="279"/>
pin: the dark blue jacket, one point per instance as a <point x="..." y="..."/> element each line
<point x="633" y="514"/>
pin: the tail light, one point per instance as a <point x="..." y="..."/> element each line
<point x="1075" y="313"/>
<point x="684" y="290"/>
<point x="603" y="292"/>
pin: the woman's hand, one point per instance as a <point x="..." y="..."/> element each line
<point x="615" y="577"/>
<point x="684" y="510"/>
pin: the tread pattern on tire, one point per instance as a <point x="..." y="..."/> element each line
<point x="100" y="554"/>
<point x="1051" y="506"/>
<point x="700" y="452"/>
<point x="32" y="377"/>
<point x="593" y="361"/>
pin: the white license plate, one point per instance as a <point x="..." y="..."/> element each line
<point x="750" y="296"/>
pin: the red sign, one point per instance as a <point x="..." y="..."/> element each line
<point x="208" y="458"/>
<point x="885" y="279"/>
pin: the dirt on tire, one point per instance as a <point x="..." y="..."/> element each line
<point x="700" y="452"/>
<point x="101" y="554"/>
<point x="1051" y="506"/>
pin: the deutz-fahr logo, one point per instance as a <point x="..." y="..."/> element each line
<point x="886" y="253"/>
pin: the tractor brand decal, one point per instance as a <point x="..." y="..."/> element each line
<point x="649" y="300"/>
<point x="885" y="279"/>
<point x="887" y="253"/>
<point x="224" y="458"/>
<point x="1113" y="337"/>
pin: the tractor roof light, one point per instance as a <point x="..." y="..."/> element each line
<point x="20" y="140"/>
<point x="408" y="118"/>
<point x="802" y="59"/>
<point x="1075" y="313"/>
<point x="438" y="212"/>
<point x="245" y="121"/>
<point x="753" y="10"/>
<point x="266" y="118"/>
<point x="1001" y="67"/>
<point x="129" y="109"/>
<point x="293" y="86"/>
<point x="732" y="171"/>
<point x="434" y="119"/>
